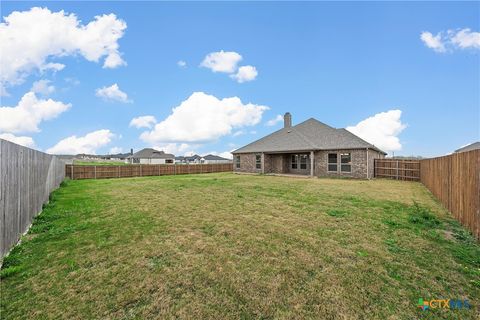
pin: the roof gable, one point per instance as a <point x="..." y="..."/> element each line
<point x="308" y="135"/>
<point x="149" y="153"/>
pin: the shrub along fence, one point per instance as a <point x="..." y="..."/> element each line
<point x="27" y="177"/>
<point x="453" y="179"/>
<point x="142" y="170"/>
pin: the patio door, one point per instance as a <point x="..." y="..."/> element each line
<point x="299" y="163"/>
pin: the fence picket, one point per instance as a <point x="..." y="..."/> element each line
<point x="99" y="172"/>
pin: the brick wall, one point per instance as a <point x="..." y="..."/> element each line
<point x="359" y="163"/>
<point x="247" y="163"/>
<point x="279" y="163"/>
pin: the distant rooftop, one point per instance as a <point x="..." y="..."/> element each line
<point x="149" y="153"/>
<point x="470" y="147"/>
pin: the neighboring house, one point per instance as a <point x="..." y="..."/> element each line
<point x="470" y="147"/>
<point x="309" y="148"/>
<point x="118" y="156"/>
<point x="196" y="159"/>
<point x="85" y="156"/>
<point x="151" y="156"/>
<point x="210" y="158"/>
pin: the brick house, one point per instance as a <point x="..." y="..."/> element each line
<point x="309" y="148"/>
<point x="151" y="156"/>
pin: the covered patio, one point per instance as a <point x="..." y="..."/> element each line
<point x="292" y="163"/>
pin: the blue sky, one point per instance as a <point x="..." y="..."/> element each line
<point x="340" y="63"/>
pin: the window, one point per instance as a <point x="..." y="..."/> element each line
<point x="346" y="162"/>
<point x="303" y="161"/>
<point x="258" y="161"/>
<point x="332" y="162"/>
<point x="237" y="162"/>
<point x="294" y="161"/>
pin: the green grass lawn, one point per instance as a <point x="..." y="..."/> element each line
<point x="99" y="163"/>
<point x="219" y="246"/>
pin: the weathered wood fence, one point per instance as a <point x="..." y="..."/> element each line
<point x="141" y="170"/>
<point x="27" y="177"/>
<point x="398" y="169"/>
<point x="454" y="180"/>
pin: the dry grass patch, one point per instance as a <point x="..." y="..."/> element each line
<point x="230" y="246"/>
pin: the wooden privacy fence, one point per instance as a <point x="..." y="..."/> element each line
<point x="142" y="170"/>
<point x="455" y="181"/>
<point x="27" y="177"/>
<point x="408" y="170"/>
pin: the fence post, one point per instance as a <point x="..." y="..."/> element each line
<point x="118" y="171"/>
<point x="397" y="169"/>
<point x="71" y="173"/>
<point x="140" y="170"/>
<point x="95" y="171"/>
<point x="175" y="169"/>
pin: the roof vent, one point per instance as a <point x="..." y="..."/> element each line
<point x="287" y="120"/>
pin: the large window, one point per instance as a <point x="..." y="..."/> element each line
<point x="258" y="161"/>
<point x="346" y="162"/>
<point x="294" y="161"/>
<point x="237" y="162"/>
<point x="303" y="161"/>
<point x="332" y="162"/>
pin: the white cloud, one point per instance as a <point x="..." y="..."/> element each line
<point x="274" y="121"/>
<point x="29" y="112"/>
<point x="222" y="61"/>
<point x="43" y="87"/>
<point x="451" y="40"/>
<point x="465" y="38"/>
<point x="112" y="93"/>
<point x="181" y="64"/>
<point x="86" y="144"/>
<point x="238" y="133"/>
<point x="21" y="140"/>
<point x="115" y="150"/>
<point x="72" y="81"/>
<point x="433" y="42"/>
<point x="114" y="60"/>
<point x="382" y="130"/>
<point x="203" y="118"/>
<point x="143" y="122"/>
<point x="245" y="73"/>
<point x="30" y="39"/>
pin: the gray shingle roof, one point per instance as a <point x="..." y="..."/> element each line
<point x="213" y="157"/>
<point x="189" y="158"/>
<point x="470" y="147"/>
<point x="149" y="153"/>
<point x="308" y="135"/>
